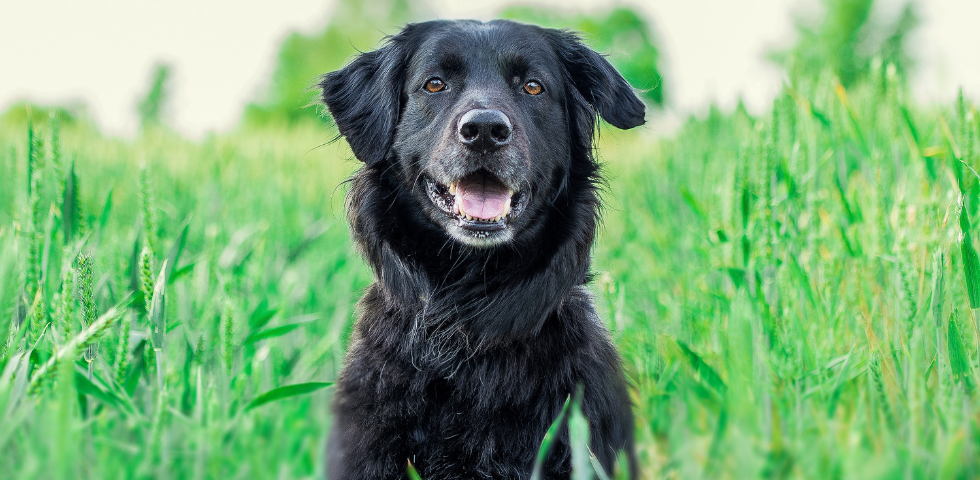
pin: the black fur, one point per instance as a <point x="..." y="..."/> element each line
<point x="468" y="344"/>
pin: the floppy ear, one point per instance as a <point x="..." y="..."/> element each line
<point x="364" y="98"/>
<point x="599" y="83"/>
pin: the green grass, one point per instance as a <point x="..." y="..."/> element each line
<point x="794" y="295"/>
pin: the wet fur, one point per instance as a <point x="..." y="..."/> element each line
<point x="462" y="357"/>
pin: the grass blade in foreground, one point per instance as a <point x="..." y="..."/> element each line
<point x="549" y="440"/>
<point x="412" y="474"/>
<point x="286" y="392"/>
<point x="971" y="270"/>
<point x="578" y="436"/>
<point x="275" y="331"/>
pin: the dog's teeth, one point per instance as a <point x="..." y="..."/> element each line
<point x="506" y="209"/>
<point x="452" y="188"/>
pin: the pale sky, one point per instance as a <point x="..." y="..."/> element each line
<point x="101" y="51"/>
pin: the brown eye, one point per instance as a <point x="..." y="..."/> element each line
<point x="434" y="85"/>
<point x="533" y="88"/>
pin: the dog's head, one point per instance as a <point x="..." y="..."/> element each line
<point x="481" y="125"/>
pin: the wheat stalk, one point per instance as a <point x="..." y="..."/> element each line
<point x="84" y="340"/>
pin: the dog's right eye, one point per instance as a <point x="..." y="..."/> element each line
<point x="434" y="85"/>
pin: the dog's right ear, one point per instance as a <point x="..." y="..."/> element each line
<point x="609" y="94"/>
<point x="364" y="97"/>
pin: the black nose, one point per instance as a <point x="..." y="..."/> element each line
<point x="482" y="129"/>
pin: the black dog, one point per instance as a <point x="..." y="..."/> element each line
<point x="476" y="207"/>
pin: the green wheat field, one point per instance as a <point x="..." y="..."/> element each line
<point x="796" y="294"/>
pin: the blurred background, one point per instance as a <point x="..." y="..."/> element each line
<point x="223" y="59"/>
<point x="786" y="262"/>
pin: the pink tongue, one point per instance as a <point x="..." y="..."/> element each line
<point x="481" y="201"/>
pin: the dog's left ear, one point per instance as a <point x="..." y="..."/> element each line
<point x="364" y="97"/>
<point x="599" y="83"/>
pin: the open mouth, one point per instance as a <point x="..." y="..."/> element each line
<point x="478" y="202"/>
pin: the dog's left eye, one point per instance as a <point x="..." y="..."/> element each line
<point x="434" y="85"/>
<point x="533" y="88"/>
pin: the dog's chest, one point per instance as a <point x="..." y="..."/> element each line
<point x="483" y="410"/>
<point x="477" y="407"/>
<point x="459" y="412"/>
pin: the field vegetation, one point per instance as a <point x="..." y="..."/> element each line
<point x="796" y="293"/>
